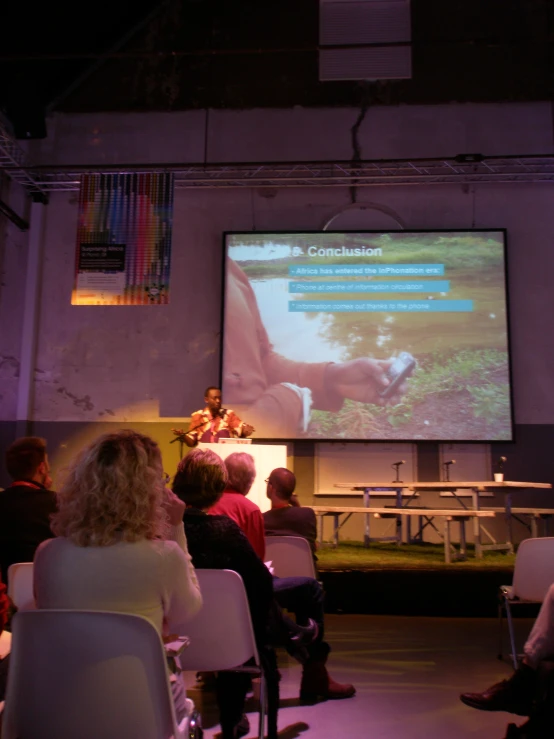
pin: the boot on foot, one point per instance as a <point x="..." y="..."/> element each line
<point x="317" y="683"/>
<point x="514" y="695"/>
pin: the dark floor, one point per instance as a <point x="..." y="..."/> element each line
<point x="408" y="672"/>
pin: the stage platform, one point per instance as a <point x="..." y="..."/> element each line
<point x="413" y="581"/>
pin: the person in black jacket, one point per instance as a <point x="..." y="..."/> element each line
<point x="217" y="542"/>
<point x="25" y="506"/>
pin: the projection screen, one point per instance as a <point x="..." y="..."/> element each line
<point x="368" y="336"/>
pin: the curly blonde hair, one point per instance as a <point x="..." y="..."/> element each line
<point x="113" y="492"/>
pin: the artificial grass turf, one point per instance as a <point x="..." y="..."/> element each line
<point x="352" y="555"/>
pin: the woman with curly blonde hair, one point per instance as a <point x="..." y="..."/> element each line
<point x="121" y="544"/>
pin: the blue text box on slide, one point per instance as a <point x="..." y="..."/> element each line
<point x="395" y="286"/>
<point x="386" y="306"/>
<point x="365" y="270"/>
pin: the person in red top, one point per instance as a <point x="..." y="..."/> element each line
<point x="214" y="422"/>
<point x="234" y="503"/>
<point x="4" y="662"/>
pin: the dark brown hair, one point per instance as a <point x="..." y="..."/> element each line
<point x="24" y="456"/>
<point x="201" y="478"/>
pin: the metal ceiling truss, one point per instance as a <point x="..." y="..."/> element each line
<point x="467" y="169"/>
<point x="13" y="161"/>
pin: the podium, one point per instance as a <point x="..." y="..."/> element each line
<point x="266" y="458"/>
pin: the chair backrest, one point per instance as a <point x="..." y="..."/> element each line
<point x="221" y="634"/>
<point x="291" y="556"/>
<point x="20" y="585"/>
<point x="534" y="569"/>
<point x="87" y="674"/>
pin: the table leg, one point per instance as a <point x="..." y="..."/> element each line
<point x="447" y="552"/>
<point x="336" y="529"/>
<point x="477" y="525"/>
<point x="320" y="528"/>
<point x="509" y="521"/>
<point x="534" y="527"/>
<point x="398" y="518"/>
<point x="405" y="529"/>
<point x="463" y="543"/>
<point x="366" y="516"/>
<point x="398" y="530"/>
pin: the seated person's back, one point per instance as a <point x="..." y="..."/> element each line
<point x="286" y="517"/>
<point x="25" y="506"/>
<point x="233" y="503"/>
<point x="110" y="553"/>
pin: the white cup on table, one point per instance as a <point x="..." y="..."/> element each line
<point x="499" y="477"/>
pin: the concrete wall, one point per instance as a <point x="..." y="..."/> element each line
<point x="149" y="365"/>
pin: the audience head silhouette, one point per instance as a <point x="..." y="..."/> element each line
<point x="241" y="471"/>
<point x="281" y="483"/>
<point x="201" y="479"/>
<point x="26" y="459"/>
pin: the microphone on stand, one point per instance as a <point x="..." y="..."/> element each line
<point x="397" y="466"/>
<point x="446" y="466"/>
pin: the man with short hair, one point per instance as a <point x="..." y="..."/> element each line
<point x="234" y="503"/>
<point x="214" y="422"/>
<point x="25" y="506"/>
<point x="287" y="517"/>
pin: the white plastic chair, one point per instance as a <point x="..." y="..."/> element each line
<point x="533" y="575"/>
<point x="221" y="634"/>
<point x="20" y="586"/>
<point x="89" y="674"/>
<point x="291" y="556"/>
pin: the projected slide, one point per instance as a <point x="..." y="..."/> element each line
<point x="397" y="335"/>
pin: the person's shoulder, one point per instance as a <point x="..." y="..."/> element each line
<point x="249" y="505"/>
<point x="169" y="551"/>
<point x="226" y="528"/>
<point x="225" y="523"/>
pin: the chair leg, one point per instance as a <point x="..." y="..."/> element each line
<point x="263" y="697"/>
<point x="501" y="607"/>
<point x="512" y="635"/>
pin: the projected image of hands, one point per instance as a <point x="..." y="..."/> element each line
<point x="377" y="336"/>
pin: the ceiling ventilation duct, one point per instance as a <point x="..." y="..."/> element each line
<point x="378" y="32"/>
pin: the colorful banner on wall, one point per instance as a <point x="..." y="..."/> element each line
<point x="124" y="239"/>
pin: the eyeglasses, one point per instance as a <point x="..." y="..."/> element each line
<point x="266" y="479"/>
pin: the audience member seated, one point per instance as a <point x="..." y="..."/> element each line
<point x="241" y="472"/>
<point x="4" y="663"/>
<point x="111" y="553"/>
<point x="218" y="542"/>
<point x="26" y="506"/>
<point x="287" y="517"/>
<point x="530" y="689"/>
<point x="302" y="596"/>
